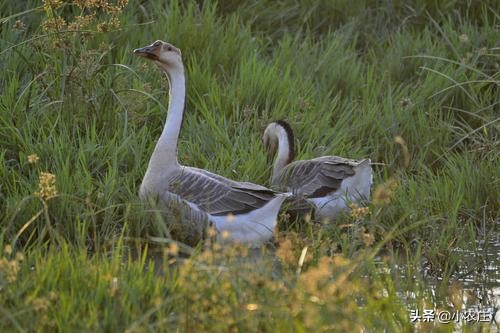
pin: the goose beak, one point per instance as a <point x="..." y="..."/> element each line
<point x="150" y="52"/>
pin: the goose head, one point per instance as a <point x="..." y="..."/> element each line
<point x="278" y="137"/>
<point x="163" y="54"/>
<point x="270" y="139"/>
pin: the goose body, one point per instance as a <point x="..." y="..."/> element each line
<point x="240" y="211"/>
<point x="328" y="183"/>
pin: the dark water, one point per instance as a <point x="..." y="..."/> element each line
<point x="476" y="280"/>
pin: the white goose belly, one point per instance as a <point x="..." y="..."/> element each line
<point x="329" y="207"/>
<point x="352" y="189"/>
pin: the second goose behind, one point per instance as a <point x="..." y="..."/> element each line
<point x="328" y="183"/>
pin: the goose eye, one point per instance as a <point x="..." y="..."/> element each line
<point x="169" y="48"/>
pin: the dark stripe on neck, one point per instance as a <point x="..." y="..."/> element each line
<point x="291" y="141"/>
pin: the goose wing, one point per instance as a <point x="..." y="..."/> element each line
<point x="317" y="177"/>
<point x="231" y="182"/>
<point x="218" y="195"/>
<point x="186" y="222"/>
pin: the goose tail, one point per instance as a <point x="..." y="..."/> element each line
<point x="364" y="178"/>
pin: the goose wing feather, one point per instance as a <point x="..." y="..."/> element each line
<point x="217" y="195"/>
<point x="243" y="185"/>
<point x="316" y="177"/>
<point x="187" y="221"/>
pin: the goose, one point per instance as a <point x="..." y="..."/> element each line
<point x="240" y="211"/>
<point x="327" y="183"/>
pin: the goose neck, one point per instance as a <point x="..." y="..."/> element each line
<point x="283" y="155"/>
<point x="165" y="152"/>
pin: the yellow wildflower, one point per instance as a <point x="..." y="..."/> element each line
<point x="19" y="26"/>
<point x="211" y="232"/>
<point x="463" y="38"/>
<point x="406" y="154"/>
<point x="285" y="251"/>
<point x="53" y="296"/>
<point x="33" y="158"/>
<point x="52" y="3"/>
<point x="81" y="22"/>
<point x="19" y="256"/>
<point x="9" y="269"/>
<point x="252" y="306"/>
<point x="315" y="277"/>
<point x="339" y="260"/>
<point x="7" y="249"/>
<point x="113" y="23"/>
<point x="40" y="304"/>
<point x="173" y="249"/>
<point x="54" y="25"/>
<point x="405" y="102"/>
<point x="46" y="186"/>
<point x="383" y="192"/>
<point x="358" y="212"/>
<point x="367" y="238"/>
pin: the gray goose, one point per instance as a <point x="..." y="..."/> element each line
<point x="327" y="183"/>
<point x="240" y="211"/>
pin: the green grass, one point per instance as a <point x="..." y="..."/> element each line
<point x="349" y="76"/>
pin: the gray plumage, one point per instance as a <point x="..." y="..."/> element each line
<point x="185" y="222"/>
<point x="326" y="183"/>
<point x="217" y="195"/>
<point x="316" y="177"/>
